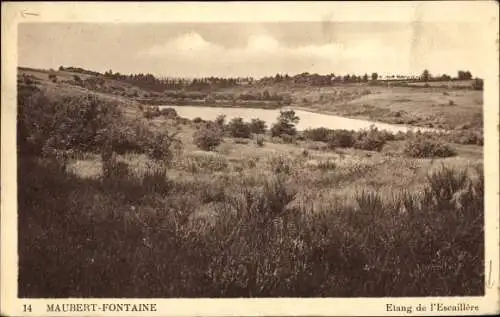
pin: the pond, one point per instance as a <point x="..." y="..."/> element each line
<point x="308" y="120"/>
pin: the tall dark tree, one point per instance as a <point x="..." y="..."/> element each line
<point x="426" y="75"/>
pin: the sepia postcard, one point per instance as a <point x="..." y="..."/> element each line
<point x="250" y="158"/>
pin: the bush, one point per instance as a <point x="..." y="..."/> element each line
<point x="422" y="147"/>
<point x="287" y="138"/>
<point x="258" y="126"/>
<point x="467" y="137"/>
<point x="198" y="120"/>
<point x="341" y="138"/>
<point x="280" y="164"/>
<point x="239" y="129"/>
<point x="169" y="113"/>
<point x="133" y="137"/>
<point x="208" y="137"/>
<point x="152" y="112"/>
<point x="370" y="141"/>
<point x="76" y="123"/>
<point x="318" y="134"/>
<point x="160" y="146"/>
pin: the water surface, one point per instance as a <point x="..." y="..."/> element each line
<point x="308" y="120"/>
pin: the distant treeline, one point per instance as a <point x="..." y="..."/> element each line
<point x="150" y="82"/>
<point x="329" y="79"/>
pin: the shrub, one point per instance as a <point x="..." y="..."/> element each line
<point x="239" y="129"/>
<point x="169" y="113"/>
<point x="287" y="138"/>
<point x="198" y="120"/>
<point x="372" y="139"/>
<point x="280" y="164"/>
<point x="67" y="123"/>
<point x="318" y="134"/>
<point x="160" y="146"/>
<point x="53" y="77"/>
<point x="208" y="137"/>
<point x="258" y="126"/>
<point x="77" y="78"/>
<point x="341" y="138"/>
<point x="152" y="112"/>
<point x="469" y="136"/>
<point x="369" y="142"/>
<point x="422" y="147"/>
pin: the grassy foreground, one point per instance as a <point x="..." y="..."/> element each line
<point x="123" y="215"/>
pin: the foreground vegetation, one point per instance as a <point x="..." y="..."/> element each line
<point x="114" y="206"/>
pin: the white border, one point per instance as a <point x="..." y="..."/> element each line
<point x="485" y="12"/>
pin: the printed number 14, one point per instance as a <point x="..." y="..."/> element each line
<point x="26" y="308"/>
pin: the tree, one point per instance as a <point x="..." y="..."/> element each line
<point x="286" y="123"/>
<point x="374" y="76"/>
<point x="426" y="75"/>
<point x="478" y="84"/>
<point x="464" y="75"/>
<point x="365" y="77"/>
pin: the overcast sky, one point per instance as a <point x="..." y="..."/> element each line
<point x="254" y="49"/>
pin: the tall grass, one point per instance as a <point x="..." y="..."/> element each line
<point x="259" y="243"/>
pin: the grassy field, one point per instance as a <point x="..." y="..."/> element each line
<point x="137" y="203"/>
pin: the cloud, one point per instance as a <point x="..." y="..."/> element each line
<point x="192" y="55"/>
<point x="262" y="43"/>
<point x="262" y="54"/>
<point x="187" y="43"/>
